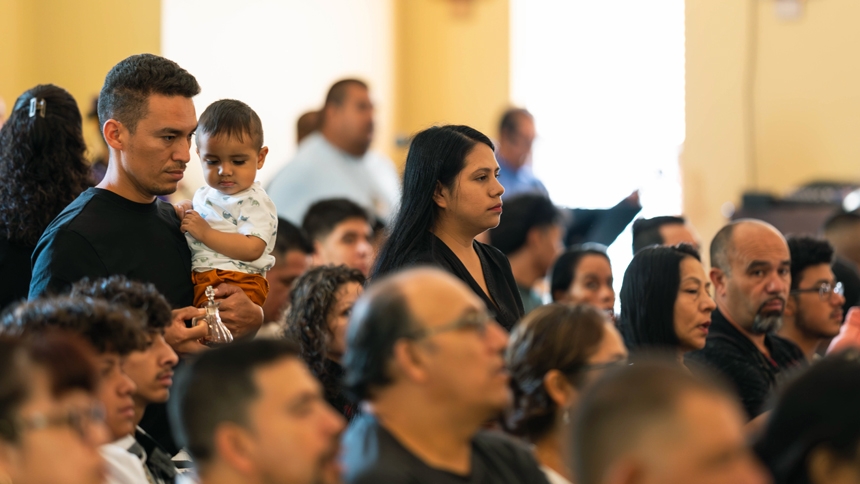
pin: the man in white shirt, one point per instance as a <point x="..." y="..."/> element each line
<point x="335" y="162"/>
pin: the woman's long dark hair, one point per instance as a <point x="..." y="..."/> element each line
<point x="436" y="155"/>
<point x="42" y="163"/>
<point x="312" y="299"/>
<point x="648" y="296"/>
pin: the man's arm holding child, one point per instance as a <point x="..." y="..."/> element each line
<point x="235" y="246"/>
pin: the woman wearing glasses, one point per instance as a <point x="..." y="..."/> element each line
<point x="451" y="194"/>
<point x="666" y="303"/>
<point x="554" y="353"/>
<point x="50" y="423"/>
<point x="813" y="311"/>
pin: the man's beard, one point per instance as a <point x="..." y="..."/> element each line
<point x="766" y="323"/>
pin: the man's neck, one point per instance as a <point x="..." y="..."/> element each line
<point x="122" y="186"/>
<point x="221" y="473"/>
<point x="504" y="158"/>
<point x="523" y="267"/>
<point x="756" y="339"/>
<point x="438" y="434"/>
<point x="332" y="138"/>
<point x="791" y="332"/>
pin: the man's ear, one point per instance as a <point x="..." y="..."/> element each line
<point x="114" y="134"/>
<point x="316" y="257"/>
<point x="261" y="157"/>
<point x="408" y="362"/>
<point x="234" y="445"/>
<point x="718" y="279"/>
<point x="440" y="194"/>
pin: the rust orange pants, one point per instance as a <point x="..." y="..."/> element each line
<point x="254" y="285"/>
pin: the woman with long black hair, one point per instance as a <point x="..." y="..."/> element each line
<point x="450" y="195"/>
<point x="43" y="169"/>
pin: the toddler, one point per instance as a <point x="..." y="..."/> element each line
<point x="233" y="225"/>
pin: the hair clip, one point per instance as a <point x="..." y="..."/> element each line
<point x="39" y="104"/>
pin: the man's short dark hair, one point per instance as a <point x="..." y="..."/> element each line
<point x="128" y="85"/>
<point x="337" y="92"/>
<point x="523" y="213"/>
<point x="509" y="125"/>
<point x="840" y="221"/>
<point x="626" y="405"/>
<point x="806" y="252"/>
<point x="233" y="119"/>
<point x="140" y="296"/>
<point x="379" y="319"/>
<point x="290" y="238"/>
<point x="646" y="231"/>
<point x="217" y="387"/>
<point x="721" y="245"/>
<point x="324" y="216"/>
<point x="110" y="328"/>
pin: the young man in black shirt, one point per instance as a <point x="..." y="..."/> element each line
<point x="427" y="359"/>
<point x="751" y="273"/>
<point x="121" y="227"/>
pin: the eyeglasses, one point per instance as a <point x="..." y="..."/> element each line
<point x="825" y="291"/>
<point x="477" y="321"/>
<point x="83" y="421"/>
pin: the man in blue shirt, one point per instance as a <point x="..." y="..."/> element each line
<point x="514" y="152"/>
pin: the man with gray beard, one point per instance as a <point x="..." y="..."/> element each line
<point x="751" y="273"/>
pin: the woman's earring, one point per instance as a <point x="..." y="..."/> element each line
<point x="566" y="417"/>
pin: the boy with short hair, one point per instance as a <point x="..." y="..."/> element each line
<point x="340" y="232"/>
<point x="150" y="368"/>
<point x="232" y="229"/>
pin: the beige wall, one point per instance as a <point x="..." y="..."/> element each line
<point x="71" y="43"/>
<point x="452" y="64"/>
<point x="805" y="101"/>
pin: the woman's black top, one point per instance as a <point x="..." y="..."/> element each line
<point x="334" y="392"/>
<point x="505" y="302"/>
<point x="14" y="272"/>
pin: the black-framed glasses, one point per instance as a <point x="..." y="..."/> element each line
<point x="83" y="421"/>
<point x="825" y="291"/>
<point x="477" y="320"/>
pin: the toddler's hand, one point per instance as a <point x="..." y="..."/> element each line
<point x="194" y="224"/>
<point x="182" y="207"/>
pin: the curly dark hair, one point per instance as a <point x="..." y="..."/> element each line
<point x="141" y="296"/>
<point x="806" y="252"/>
<point x="42" y="163"/>
<point x="312" y="300"/>
<point x="553" y="337"/>
<point x="106" y="326"/>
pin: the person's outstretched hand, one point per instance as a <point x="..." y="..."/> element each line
<point x="849" y="335"/>
<point x="240" y="315"/>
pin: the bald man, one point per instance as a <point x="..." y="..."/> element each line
<point x="427" y="359"/>
<point x="751" y="273"/>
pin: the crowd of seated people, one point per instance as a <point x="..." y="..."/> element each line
<point x="471" y="342"/>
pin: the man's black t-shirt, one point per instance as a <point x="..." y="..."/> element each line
<point x="372" y="455"/>
<point x="101" y="234"/>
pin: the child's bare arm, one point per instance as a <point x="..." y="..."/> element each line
<point x="235" y="246"/>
